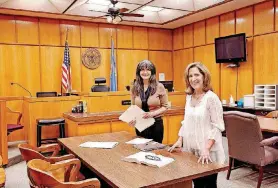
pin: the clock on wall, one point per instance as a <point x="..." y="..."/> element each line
<point x="91" y="58"/>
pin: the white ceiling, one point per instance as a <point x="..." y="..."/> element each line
<point x="174" y="13"/>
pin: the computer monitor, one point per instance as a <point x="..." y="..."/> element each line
<point x="168" y="85"/>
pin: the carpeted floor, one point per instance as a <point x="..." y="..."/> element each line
<point x="240" y="178"/>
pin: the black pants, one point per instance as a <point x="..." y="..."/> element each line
<point x="154" y="132"/>
<point x="206" y="182"/>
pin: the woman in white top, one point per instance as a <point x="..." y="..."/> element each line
<point x="203" y="122"/>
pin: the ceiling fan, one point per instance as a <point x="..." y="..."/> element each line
<point x="115" y="14"/>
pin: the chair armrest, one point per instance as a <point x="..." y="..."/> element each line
<point x="269" y="141"/>
<point x="74" y="164"/>
<point x="15" y="112"/>
<point x="55" y="148"/>
<point x="92" y="182"/>
<point x="61" y="158"/>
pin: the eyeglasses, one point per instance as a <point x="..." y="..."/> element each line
<point x="151" y="157"/>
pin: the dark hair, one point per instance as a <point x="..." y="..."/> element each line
<point x="206" y="75"/>
<point x="138" y="85"/>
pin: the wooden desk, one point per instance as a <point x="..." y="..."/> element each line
<point x="108" y="165"/>
<point x="91" y="123"/>
<point x="268" y="124"/>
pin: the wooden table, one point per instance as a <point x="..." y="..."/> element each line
<point x="107" y="164"/>
<point x="268" y="124"/>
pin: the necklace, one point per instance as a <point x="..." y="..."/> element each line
<point x="197" y="99"/>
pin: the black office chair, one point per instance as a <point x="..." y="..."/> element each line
<point x="100" y="88"/>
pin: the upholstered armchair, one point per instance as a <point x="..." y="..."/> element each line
<point x="245" y="142"/>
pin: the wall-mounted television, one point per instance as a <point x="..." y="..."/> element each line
<point x="230" y="48"/>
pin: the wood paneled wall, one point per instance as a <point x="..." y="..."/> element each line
<point x="32" y="50"/>
<point x="195" y="42"/>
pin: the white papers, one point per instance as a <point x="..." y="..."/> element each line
<point x="136" y="113"/>
<point x="140" y="158"/>
<point x="139" y="141"/>
<point x="161" y="77"/>
<point x="104" y="145"/>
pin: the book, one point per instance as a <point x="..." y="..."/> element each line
<point x="144" y="158"/>
<point x="139" y="141"/>
<point x="104" y="145"/>
<point x="149" y="146"/>
<point x="136" y="113"/>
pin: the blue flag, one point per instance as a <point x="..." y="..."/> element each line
<point x="113" y="69"/>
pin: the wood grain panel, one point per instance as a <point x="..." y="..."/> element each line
<point x="199" y="33"/>
<point x="140" y="38"/>
<point x="3" y="133"/>
<point x="73" y="32"/>
<point x="212" y="29"/>
<point x="88" y="75"/>
<point x="51" y="63"/>
<point x="49" y="31"/>
<point x="228" y="82"/>
<point x="206" y="55"/>
<point x="127" y="62"/>
<point x="244" y="21"/>
<point x="276" y="15"/>
<point x="118" y="126"/>
<point x="178" y="38"/>
<point x="27" y="30"/>
<point x="160" y="39"/>
<point x="174" y="123"/>
<point x="89" y="34"/>
<point x="163" y="63"/>
<point x="188" y="36"/>
<point x="245" y="73"/>
<point x="75" y="63"/>
<point x="181" y="59"/>
<point x="264" y="17"/>
<point x="227" y="24"/>
<point x="124" y="37"/>
<point x="88" y="129"/>
<point x="105" y="33"/>
<point x="265" y="58"/>
<point x="7" y="33"/>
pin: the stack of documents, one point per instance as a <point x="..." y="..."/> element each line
<point x="104" y="145"/>
<point x="136" y="113"/>
<point x="140" y="158"/>
<point x="139" y="141"/>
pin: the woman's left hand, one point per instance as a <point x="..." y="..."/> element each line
<point x="205" y="157"/>
<point x="148" y="115"/>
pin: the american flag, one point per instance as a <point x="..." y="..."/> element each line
<point x="66" y="81"/>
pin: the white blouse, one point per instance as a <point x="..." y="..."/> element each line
<point x="203" y="122"/>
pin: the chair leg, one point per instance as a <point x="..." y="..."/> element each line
<point x="231" y="160"/>
<point x="62" y="130"/>
<point x="261" y="174"/>
<point x="39" y="135"/>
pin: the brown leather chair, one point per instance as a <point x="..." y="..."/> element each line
<point x="17" y="126"/>
<point x="29" y="152"/>
<point x="2" y="174"/>
<point x="45" y="174"/>
<point x="245" y="142"/>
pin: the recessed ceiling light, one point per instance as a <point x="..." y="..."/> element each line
<point x="99" y="2"/>
<point x="152" y="9"/>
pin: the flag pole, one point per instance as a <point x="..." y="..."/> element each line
<point x="69" y="76"/>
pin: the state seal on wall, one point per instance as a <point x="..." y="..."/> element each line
<point x="91" y="58"/>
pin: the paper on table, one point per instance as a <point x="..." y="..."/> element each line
<point x="104" y="145"/>
<point x="140" y="158"/>
<point x="134" y="112"/>
<point x="139" y="141"/>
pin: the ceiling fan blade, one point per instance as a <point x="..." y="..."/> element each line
<point x="133" y="15"/>
<point x="122" y="10"/>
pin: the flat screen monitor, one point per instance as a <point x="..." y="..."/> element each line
<point x="230" y="48"/>
<point x="168" y="85"/>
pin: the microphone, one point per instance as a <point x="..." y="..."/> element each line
<point x="13" y="83"/>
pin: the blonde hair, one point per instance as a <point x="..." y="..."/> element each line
<point x="204" y="71"/>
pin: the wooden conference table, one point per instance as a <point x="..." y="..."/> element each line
<point x="107" y="164"/>
<point x="268" y="124"/>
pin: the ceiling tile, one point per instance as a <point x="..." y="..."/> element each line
<point x="2" y="1"/>
<point x="83" y="10"/>
<point x="174" y="4"/>
<point x="200" y="4"/>
<point x="61" y="5"/>
<point x="169" y="14"/>
<point x="151" y="17"/>
<point x="38" y="5"/>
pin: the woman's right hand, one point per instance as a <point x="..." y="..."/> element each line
<point x="178" y="144"/>
<point x="132" y="122"/>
